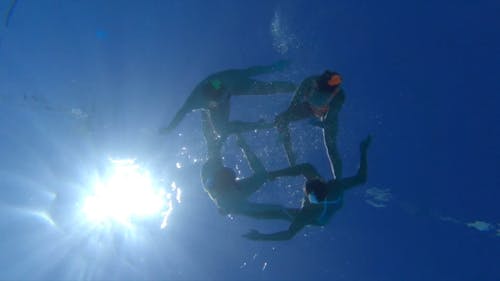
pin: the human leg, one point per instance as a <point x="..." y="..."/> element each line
<point x="266" y="211"/>
<point x="361" y="176"/>
<point x="330" y="130"/>
<point x="256" y="87"/>
<point x="213" y="141"/>
<point x="253" y="161"/>
<point x="298" y="112"/>
<point x="285" y="138"/>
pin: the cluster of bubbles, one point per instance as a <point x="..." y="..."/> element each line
<point x="283" y="39"/>
<point x="380" y="198"/>
<point x="478" y="225"/>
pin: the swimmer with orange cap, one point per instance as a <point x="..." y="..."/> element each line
<point x="320" y="98"/>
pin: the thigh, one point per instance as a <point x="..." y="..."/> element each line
<point x="331" y="124"/>
<point x="250" y="185"/>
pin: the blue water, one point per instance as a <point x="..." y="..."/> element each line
<point x="82" y="82"/>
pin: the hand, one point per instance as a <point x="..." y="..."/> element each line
<point x="262" y="121"/>
<point x="253" y="234"/>
<point x="281" y="65"/>
<point x="363" y="146"/>
<point x="164" y="131"/>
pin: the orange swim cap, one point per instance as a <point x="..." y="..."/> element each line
<point x="335" y="80"/>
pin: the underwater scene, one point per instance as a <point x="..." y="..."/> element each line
<point x="249" y="140"/>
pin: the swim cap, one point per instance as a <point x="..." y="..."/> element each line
<point x="213" y="90"/>
<point x="216" y="84"/>
<point x="329" y="81"/>
<point x="335" y="80"/>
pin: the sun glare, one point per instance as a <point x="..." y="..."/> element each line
<point x="127" y="193"/>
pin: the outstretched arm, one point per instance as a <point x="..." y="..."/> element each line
<point x="297" y="104"/>
<point x="298" y="223"/>
<point x="304" y="89"/>
<point x="307" y="170"/>
<point x="177" y="119"/>
<point x="362" y="174"/>
<point x="249" y="185"/>
<point x="213" y="141"/>
<point x="192" y="103"/>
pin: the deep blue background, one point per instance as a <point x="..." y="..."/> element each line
<point x="421" y="76"/>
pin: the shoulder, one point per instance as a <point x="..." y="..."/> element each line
<point x="311" y="80"/>
<point x="307" y="85"/>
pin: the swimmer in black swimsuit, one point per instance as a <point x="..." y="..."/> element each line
<point x="320" y="98"/>
<point x="322" y="199"/>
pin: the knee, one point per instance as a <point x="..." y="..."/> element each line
<point x="279" y="119"/>
<point x="307" y="168"/>
<point x="281" y="122"/>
